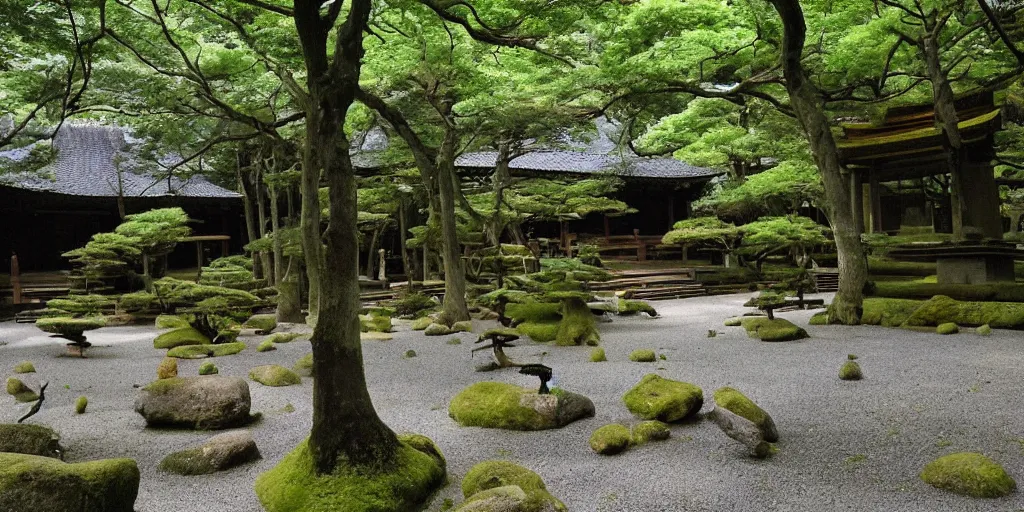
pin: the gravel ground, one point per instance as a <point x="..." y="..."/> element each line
<point x="844" y="445"/>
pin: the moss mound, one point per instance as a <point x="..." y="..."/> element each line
<point x="170" y="322"/>
<point x="778" y="329"/>
<point x="578" y="326"/>
<point x="30" y="440"/>
<point x="464" y="326"/>
<point x="304" y="366"/>
<point x="208" y="368"/>
<point x="736" y="402"/>
<point x="610" y="439"/>
<point x="265" y="346"/>
<point x="971" y="474"/>
<point x="541" y="332"/>
<point x="647" y="431"/>
<point x="375" y="323"/>
<point x="850" y="371"/>
<point x="888" y="312"/>
<point x="510" y="407"/>
<point x="633" y="307"/>
<point x="819" y="319"/>
<point x="167" y="369"/>
<point x="941" y="309"/>
<point x="643" y="356"/>
<point x="25" y="367"/>
<point x="999" y="292"/>
<point x="984" y="330"/>
<point x="201" y="351"/>
<point x="261" y="323"/>
<point x="657" y="398"/>
<point x="498" y="481"/>
<point x="29" y="482"/>
<point x="81" y="404"/>
<point x="274" y="375"/>
<point x="534" y="312"/>
<point x="293" y="485"/>
<point x="422" y="323"/>
<point x="437" y="330"/>
<point x="281" y="337"/>
<point x="20" y="392"/>
<point x="180" y="337"/>
<point x="733" y="322"/>
<point x="597" y="356"/>
<point x="948" y="328"/>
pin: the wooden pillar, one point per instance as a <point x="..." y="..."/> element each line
<point x="857" y="200"/>
<point x="874" y="191"/>
<point x="641" y="247"/>
<point x="225" y="248"/>
<point x="981" y="198"/>
<point x="199" y="260"/>
<point x="671" y="211"/>
<point x="15" y="278"/>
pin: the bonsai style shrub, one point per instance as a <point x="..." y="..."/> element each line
<point x="71" y="329"/>
<point x="214" y="311"/>
<point x="500" y="339"/>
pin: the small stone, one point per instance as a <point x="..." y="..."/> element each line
<point x="208" y="368"/>
<point x="610" y="439"/>
<point x="984" y="330"/>
<point x="850" y="371"/>
<point x="437" y="330"/>
<point x="410" y="354"/>
<point x="81" y="404"/>
<point x="597" y="355"/>
<point x="970" y="474"/>
<point x="274" y="375"/>
<point x="948" y="328"/>
<point x="642" y="356"/>
<point x="219" y="453"/>
<point x="167" y="369"/>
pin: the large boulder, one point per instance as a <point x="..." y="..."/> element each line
<point x="501" y="486"/>
<point x="30" y="440"/>
<point x="181" y="337"/>
<point x="501" y="405"/>
<point x="658" y="398"/>
<point x="207" y="402"/>
<point x="30" y="483"/>
<point x="738" y="403"/>
<point x="970" y="474"/>
<point x="219" y="453"/>
<point x="293" y="485"/>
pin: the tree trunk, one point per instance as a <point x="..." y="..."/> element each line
<point x="502" y="177"/>
<point x="275" y="226"/>
<point x="250" y="221"/>
<point x="808" y="105"/>
<point x="371" y="253"/>
<point x="454" y="308"/>
<point x="309" y="223"/>
<point x="261" y="211"/>
<point x="403" y="242"/>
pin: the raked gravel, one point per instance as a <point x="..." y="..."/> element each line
<point x="844" y="445"/>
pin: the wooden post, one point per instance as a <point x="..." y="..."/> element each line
<point x="381" y="274"/>
<point x="607" y="228"/>
<point x="876" y="203"/>
<point x="225" y="248"/>
<point x="15" y="278"/>
<point x="199" y="260"/>
<point x="857" y="200"/>
<point x="641" y="247"/>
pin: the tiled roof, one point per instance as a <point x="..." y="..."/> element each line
<point x="85" y="166"/>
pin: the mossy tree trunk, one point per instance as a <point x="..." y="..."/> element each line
<point x="346" y="427"/>
<point x="454" y="308"/>
<point x="241" y="169"/>
<point x="578" y="326"/>
<point x="808" y="104"/>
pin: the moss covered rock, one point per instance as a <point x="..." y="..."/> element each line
<point x="737" y="403"/>
<point x="281" y="337"/>
<point x="201" y="351"/>
<point x="984" y="330"/>
<point x="294" y="486"/>
<point x="647" y="431"/>
<point x="262" y="324"/>
<point x="948" y="328"/>
<point x="597" y="355"/>
<point x="205" y="402"/>
<point x="633" y="307"/>
<point x="80" y="405"/>
<point x="20" y="392"/>
<point x="180" y="337"/>
<point x="541" y="332"/>
<point x="658" y="398"/>
<point x="510" y="407"/>
<point x="610" y="439"/>
<point x="643" y="356"/>
<point x="578" y="325"/>
<point x="168" y="368"/>
<point x="733" y="322"/>
<point x="498" y="485"/>
<point x="971" y="474"/>
<point x="464" y="326"/>
<point x="819" y="319"/>
<point x="208" y="368"/>
<point x="941" y="309"/>
<point x="32" y="483"/>
<point x="437" y="330"/>
<point x="304" y="366"/>
<point x="219" y="453"/>
<point x="888" y="312"/>
<point x="421" y="323"/>
<point x="375" y="323"/>
<point x="778" y="329"/>
<point x="25" y="367"/>
<point x="850" y="371"/>
<point x="265" y="346"/>
<point x="274" y="375"/>
<point x="30" y="439"/>
<point x="170" y="322"/>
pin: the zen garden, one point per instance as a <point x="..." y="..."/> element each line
<point x="511" y="256"/>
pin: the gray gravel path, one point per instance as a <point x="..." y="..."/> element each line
<point x="845" y="446"/>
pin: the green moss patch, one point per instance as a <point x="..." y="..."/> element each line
<point x="597" y="355"/>
<point x="578" y="326"/>
<point x="642" y="356"/>
<point x="201" y="351"/>
<point x="510" y="407"/>
<point x="170" y="322"/>
<point x="970" y="474"/>
<point x="503" y="482"/>
<point x="541" y="332"/>
<point x="375" y="323"/>
<point x="20" y="392"/>
<point x="948" y="328"/>
<point x="81" y="404"/>
<point x="737" y="403"/>
<point x="464" y="326"/>
<point x="888" y="312"/>
<point x="294" y="486"/>
<point x="29" y="482"/>
<point x="304" y="366"/>
<point x="25" y="367"/>
<point x="167" y="369"/>
<point x="29" y="439"/>
<point x="274" y="375"/>
<point x="281" y="337"/>
<point x="733" y="322"/>
<point x="208" y="368"/>
<point x="992" y="292"/>
<point x="778" y="329"/>
<point x="658" y="398"/>
<point x="647" y="431"/>
<point x="180" y="337"/>
<point x="610" y="439"/>
<point x="422" y="323"/>
<point x="265" y="346"/>
<point x="984" y="330"/>
<point x="540" y="312"/>
<point x="850" y="371"/>
<point x="941" y="309"/>
<point x="819" y="319"/>
<point x="437" y="330"/>
<point x="633" y="307"/>
<point x="261" y="323"/>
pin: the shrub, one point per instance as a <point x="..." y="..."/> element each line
<point x="850" y="371"/>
